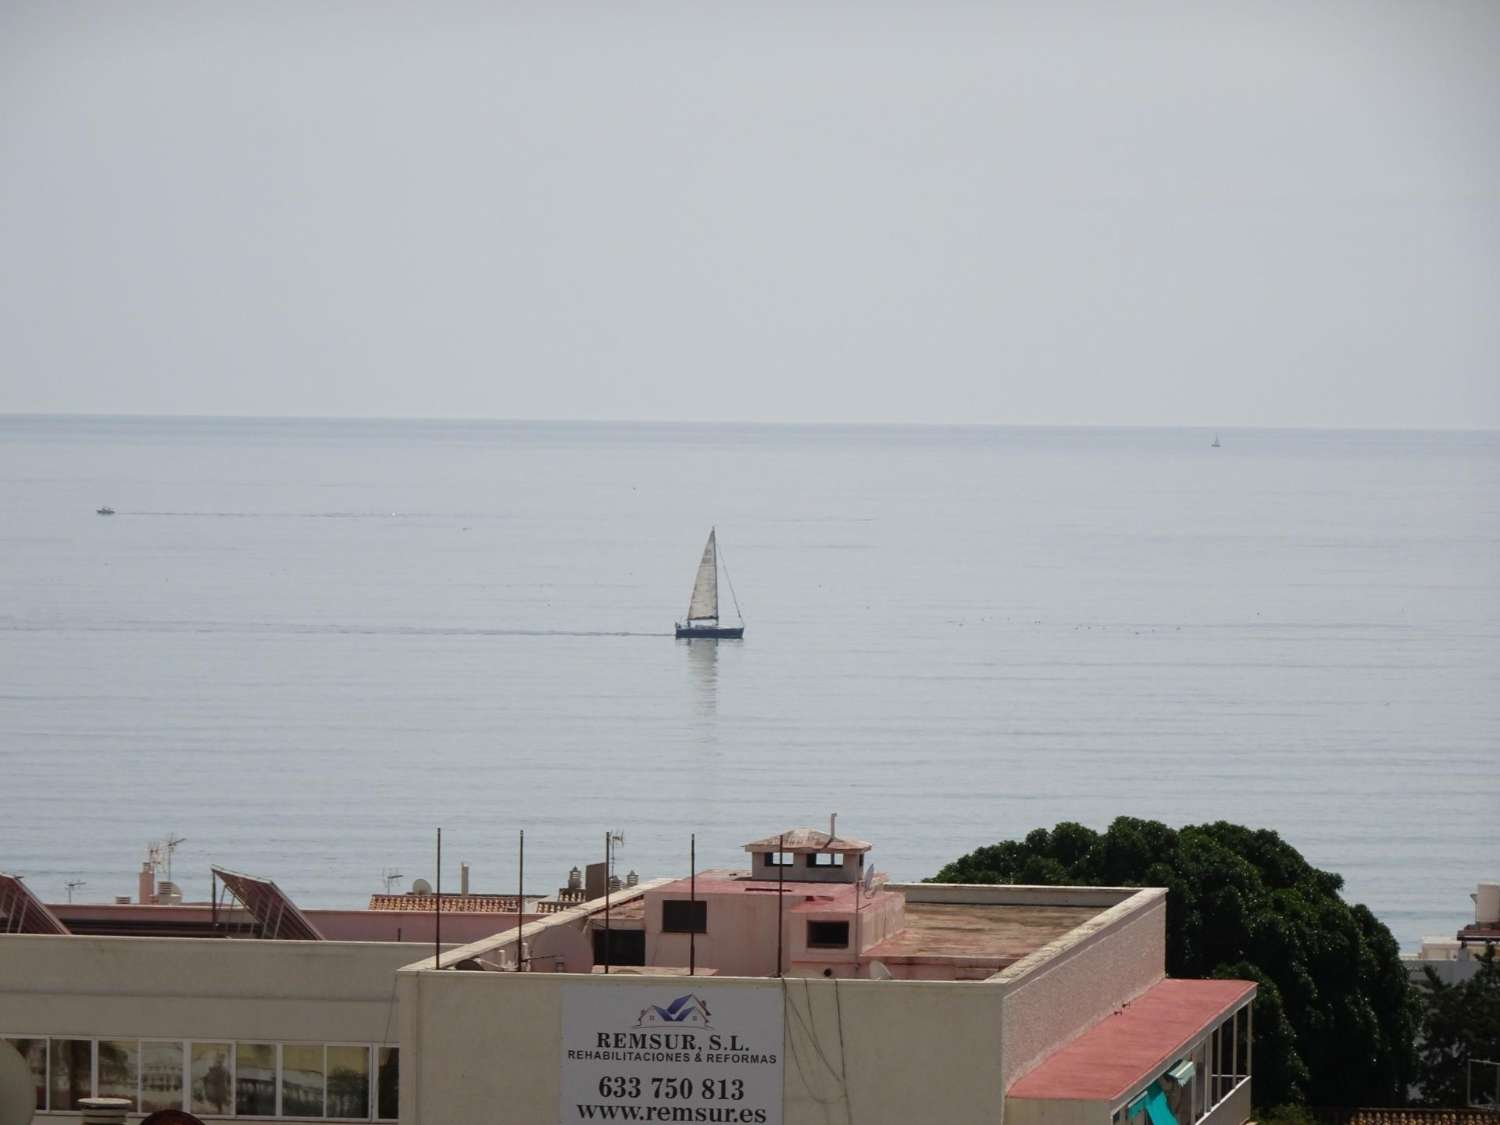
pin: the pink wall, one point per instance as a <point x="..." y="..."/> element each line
<point x="741" y="935"/>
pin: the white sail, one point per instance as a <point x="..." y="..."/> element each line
<point x="705" y="603"/>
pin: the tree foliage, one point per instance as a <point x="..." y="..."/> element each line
<point x="1459" y="1022"/>
<point x="1334" y="1015"/>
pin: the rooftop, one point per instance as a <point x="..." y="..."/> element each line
<point x="1118" y="1054"/>
<point x="995" y="936"/>
<point x="800" y="841"/>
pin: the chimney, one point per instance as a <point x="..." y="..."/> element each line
<point x="463" y="878"/>
<point x="146" y="884"/>
<point x="832" y="820"/>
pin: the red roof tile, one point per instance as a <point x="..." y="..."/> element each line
<point x="1127" y="1049"/>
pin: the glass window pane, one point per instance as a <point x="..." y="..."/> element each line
<point x="211" y="1079"/>
<point x="161" y="1076"/>
<point x="72" y="1076"/>
<point x="349" y="1082"/>
<point x="1224" y="1067"/>
<point x="34" y="1051"/>
<point x="389" y="1080"/>
<point x="1242" y="1042"/>
<point x="1200" y="1080"/>
<point x="119" y="1065"/>
<point x="255" y="1079"/>
<point x="302" y="1080"/>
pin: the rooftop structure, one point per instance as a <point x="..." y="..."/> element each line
<point x="815" y="988"/>
<point x="824" y="992"/>
<point x="1456" y="959"/>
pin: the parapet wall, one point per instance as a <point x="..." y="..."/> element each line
<point x="1069" y="985"/>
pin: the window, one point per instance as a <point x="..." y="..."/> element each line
<point x="389" y="1083"/>
<point x="119" y="1069"/>
<point x="302" y="1080"/>
<point x="681" y="916"/>
<point x="780" y="859"/>
<point x="828" y="935"/>
<point x="308" y="1080"/>
<point x="161" y="1076"/>
<point x="826" y="859"/>
<point x="213" y="1083"/>
<point x="348" y="1081"/>
<point x="255" y="1079"/>
<point x="34" y="1051"/>
<point x="72" y="1072"/>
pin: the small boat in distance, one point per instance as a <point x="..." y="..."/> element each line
<point x="104" y="511"/>
<point x="703" y="609"/>
<point x="1216" y="442"/>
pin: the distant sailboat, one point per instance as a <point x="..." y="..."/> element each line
<point x="104" y="511"/>
<point x="1216" y="442"/>
<point x="703" y="609"/>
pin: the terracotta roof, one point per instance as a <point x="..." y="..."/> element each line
<point x="1129" y="1048"/>
<point x="452" y="904"/>
<point x="802" y="840"/>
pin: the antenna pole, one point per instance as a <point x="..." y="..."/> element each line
<point x="780" y="882"/>
<point x="437" y="909"/>
<point x="606" y="904"/>
<point x="693" y="904"/>
<point x="520" y="901"/>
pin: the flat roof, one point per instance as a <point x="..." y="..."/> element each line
<point x="998" y="934"/>
<point x="1123" y="1051"/>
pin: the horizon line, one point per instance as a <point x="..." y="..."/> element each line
<point x="760" y="422"/>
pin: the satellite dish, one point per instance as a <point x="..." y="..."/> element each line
<point x="870" y="878"/>
<point x="878" y="971"/>
<point x="421" y="887"/>
<point x="17" y="1088"/>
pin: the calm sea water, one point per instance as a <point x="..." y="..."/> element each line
<point x="302" y="645"/>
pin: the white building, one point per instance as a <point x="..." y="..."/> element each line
<point x="896" y="1003"/>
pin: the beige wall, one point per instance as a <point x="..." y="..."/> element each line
<point x="486" y="1046"/>
<point x="1072" y="983"/>
<point x="200" y="988"/>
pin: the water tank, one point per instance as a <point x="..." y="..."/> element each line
<point x="575" y="880"/>
<point x="632" y="879"/>
<point x="168" y="894"/>
<point x="1487" y="904"/>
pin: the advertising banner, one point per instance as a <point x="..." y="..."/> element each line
<point x="670" y="1049"/>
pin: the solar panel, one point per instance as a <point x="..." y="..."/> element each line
<point x="276" y="916"/>
<point x="21" y="912"/>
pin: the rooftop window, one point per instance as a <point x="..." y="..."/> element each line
<point x="828" y="935"/>
<point x="682" y="916"/>
<point x="825" y="859"/>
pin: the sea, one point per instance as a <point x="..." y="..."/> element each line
<point x="301" y="647"/>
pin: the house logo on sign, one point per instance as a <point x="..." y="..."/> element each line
<point x="685" y="1011"/>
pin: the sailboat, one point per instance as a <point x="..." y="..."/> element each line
<point x="1216" y="442"/>
<point x="703" y="609"/>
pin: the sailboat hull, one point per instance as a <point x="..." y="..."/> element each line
<point x="710" y="632"/>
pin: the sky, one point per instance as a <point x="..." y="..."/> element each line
<point x="1016" y="212"/>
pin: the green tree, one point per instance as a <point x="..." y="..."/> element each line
<point x="1459" y="1022"/>
<point x="1335" y="1016"/>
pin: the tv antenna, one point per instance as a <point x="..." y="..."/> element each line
<point x="390" y="876"/>
<point x="71" y="884"/>
<point x="169" y="847"/>
<point x="616" y="840"/>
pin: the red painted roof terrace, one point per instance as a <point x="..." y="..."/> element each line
<point x="1123" y="1051"/>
